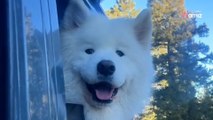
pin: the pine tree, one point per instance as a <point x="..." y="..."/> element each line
<point x="175" y="101"/>
<point x="178" y="62"/>
<point x="123" y="8"/>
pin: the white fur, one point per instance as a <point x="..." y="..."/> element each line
<point x="134" y="71"/>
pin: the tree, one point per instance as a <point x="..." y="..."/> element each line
<point x="123" y="8"/>
<point x="175" y="101"/>
<point x="179" y="62"/>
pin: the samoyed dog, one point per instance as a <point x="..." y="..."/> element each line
<point x="107" y="63"/>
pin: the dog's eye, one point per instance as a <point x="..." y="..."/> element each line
<point x="89" y="51"/>
<point x="119" y="53"/>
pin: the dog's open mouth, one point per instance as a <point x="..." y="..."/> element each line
<point x="102" y="92"/>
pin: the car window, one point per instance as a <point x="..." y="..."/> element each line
<point x="36" y="76"/>
<point x="36" y="86"/>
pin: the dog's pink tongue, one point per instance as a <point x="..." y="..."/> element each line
<point x="104" y="94"/>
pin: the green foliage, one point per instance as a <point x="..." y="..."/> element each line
<point x="167" y="20"/>
<point x="180" y="62"/>
<point x="149" y="113"/>
<point x="123" y="8"/>
<point x="175" y="101"/>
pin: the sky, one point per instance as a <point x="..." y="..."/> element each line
<point x="205" y="7"/>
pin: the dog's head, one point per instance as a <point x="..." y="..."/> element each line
<point x="102" y="58"/>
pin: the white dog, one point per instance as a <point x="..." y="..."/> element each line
<point x="107" y="63"/>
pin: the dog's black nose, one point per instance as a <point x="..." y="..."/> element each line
<point x="106" y="67"/>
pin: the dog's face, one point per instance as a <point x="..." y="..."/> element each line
<point x="102" y="57"/>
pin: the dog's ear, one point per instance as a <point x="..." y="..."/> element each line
<point x="75" y="14"/>
<point x="143" y="27"/>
